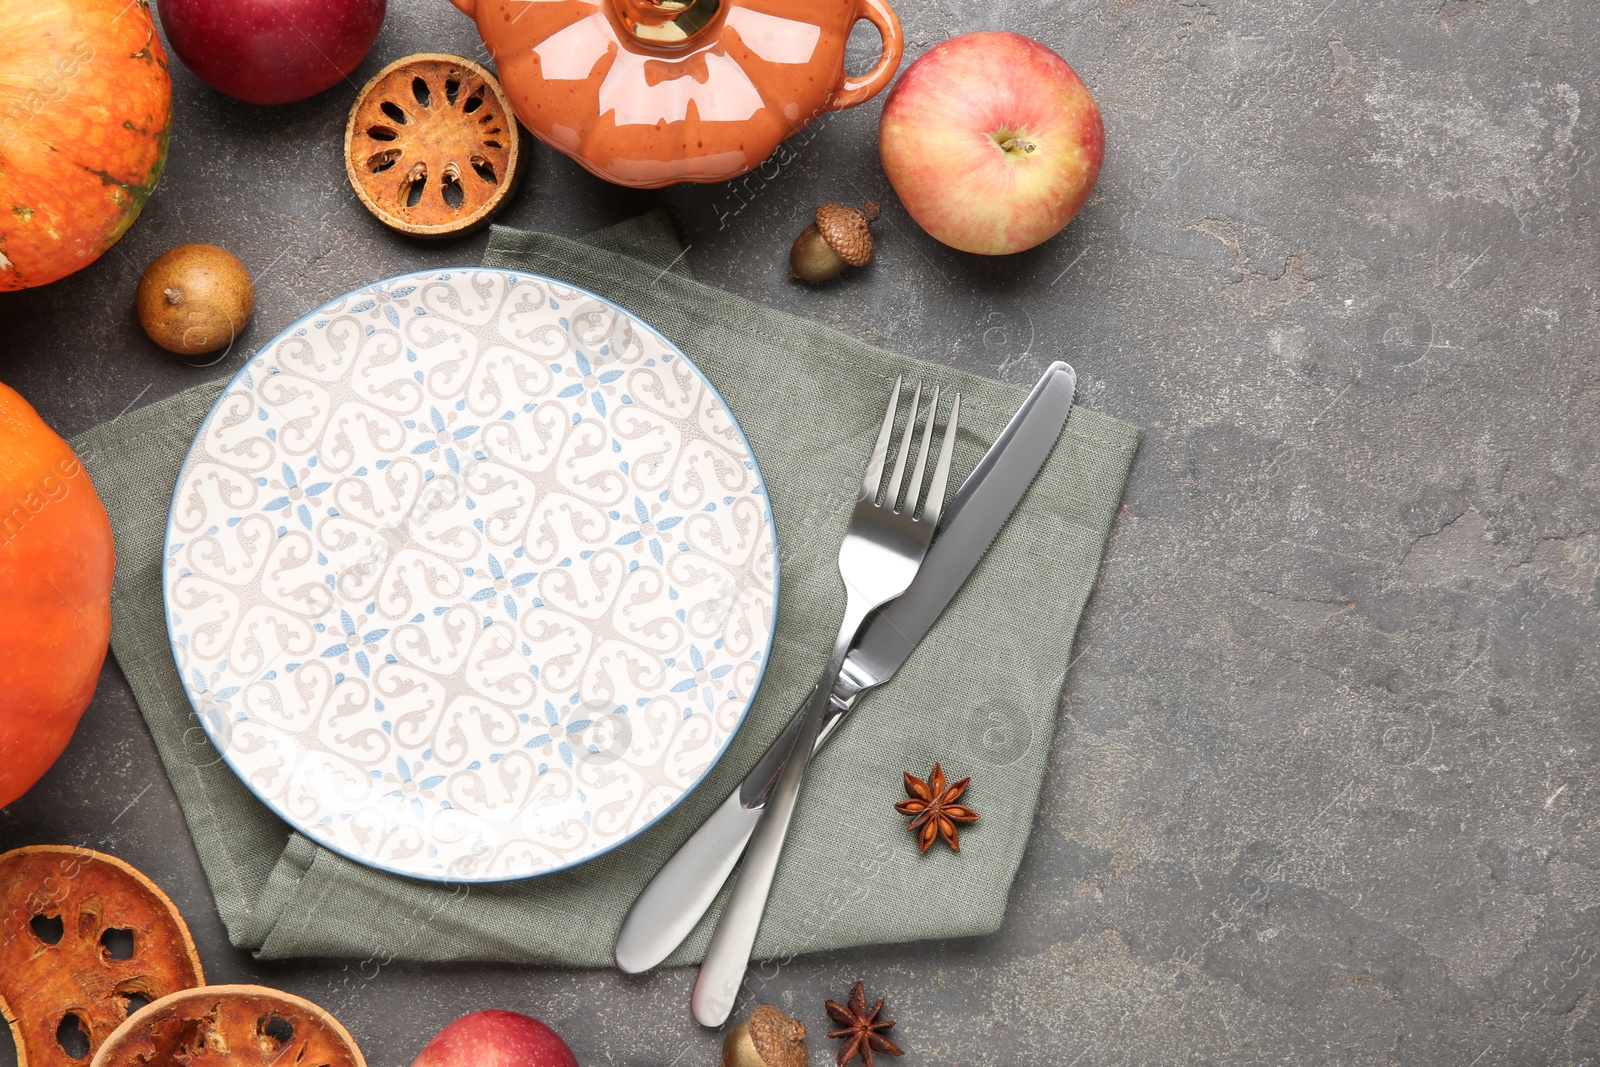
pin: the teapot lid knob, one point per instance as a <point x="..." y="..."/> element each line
<point x="666" y="23"/>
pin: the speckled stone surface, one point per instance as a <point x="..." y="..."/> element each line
<point x="1321" y="791"/>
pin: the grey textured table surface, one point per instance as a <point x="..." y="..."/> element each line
<point x="1321" y="788"/>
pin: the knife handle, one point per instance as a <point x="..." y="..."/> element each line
<point x="680" y="894"/>
<point x="734" y="939"/>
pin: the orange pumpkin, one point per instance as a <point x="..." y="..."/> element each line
<point x="56" y="560"/>
<point x="85" y="114"/>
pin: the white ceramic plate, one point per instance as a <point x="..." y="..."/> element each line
<point x="470" y="575"/>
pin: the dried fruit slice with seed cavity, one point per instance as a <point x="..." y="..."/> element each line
<point x="87" y="941"/>
<point x="432" y="147"/>
<point x="230" y="1026"/>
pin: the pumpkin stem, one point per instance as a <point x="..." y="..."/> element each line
<point x="174" y="296"/>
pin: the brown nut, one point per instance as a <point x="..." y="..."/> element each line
<point x="195" y="299"/>
<point x="841" y="236"/>
<point x="230" y="1026"/>
<point x="769" y="1038"/>
<point x="86" y="941"/>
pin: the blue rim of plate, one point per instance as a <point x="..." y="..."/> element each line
<point x="766" y="503"/>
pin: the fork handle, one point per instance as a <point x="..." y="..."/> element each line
<point x="728" y="955"/>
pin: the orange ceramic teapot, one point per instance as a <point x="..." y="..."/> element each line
<point x="652" y="92"/>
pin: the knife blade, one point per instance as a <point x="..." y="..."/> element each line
<point x="670" y="907"/>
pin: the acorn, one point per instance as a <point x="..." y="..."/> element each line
<point x="840" y="237"/>
<point x="769" y="1038"/>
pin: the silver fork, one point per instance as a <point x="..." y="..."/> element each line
<point x="883" y="547"/>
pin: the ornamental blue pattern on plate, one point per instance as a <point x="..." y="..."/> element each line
<point x="470" y="575"/>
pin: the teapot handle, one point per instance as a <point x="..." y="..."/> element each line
<point x="853" y="91"/>
<point x="468" y="7"/>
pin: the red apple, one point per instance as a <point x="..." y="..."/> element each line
<point x="992" y="142"/>
<point x="496" y="1039"/>
<point x="271" y="51"/>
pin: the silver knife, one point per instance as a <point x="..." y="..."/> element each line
<point x="681" y="892"/>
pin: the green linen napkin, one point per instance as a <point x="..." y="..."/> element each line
<point x="981" y="694"/>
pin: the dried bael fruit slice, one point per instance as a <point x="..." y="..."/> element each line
<point x="230" y="1026"/>
<point x="432" y="148"/>
<point x="87" y="941"/>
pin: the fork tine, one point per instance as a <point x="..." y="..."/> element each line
<point x="941" y="470"/>
<point x="874" y="478"/>
<point x="892" y="497"/>
<point x="914" y="493"/>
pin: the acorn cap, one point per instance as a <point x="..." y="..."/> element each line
<point x="779" y="1040"/>
<point x="846" y="231"/>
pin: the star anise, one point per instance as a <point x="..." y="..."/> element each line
<point x="862" y="1030"/>
<point x="935" y="809"/>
